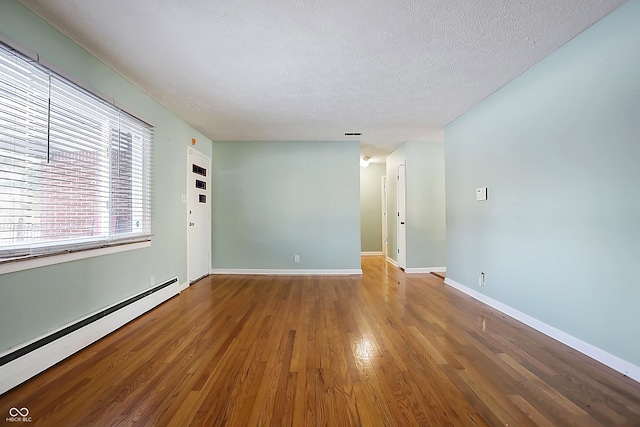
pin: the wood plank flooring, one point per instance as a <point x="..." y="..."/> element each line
<point x="384" y="349"/>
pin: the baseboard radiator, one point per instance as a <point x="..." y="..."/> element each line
<point x="18" y="365"/>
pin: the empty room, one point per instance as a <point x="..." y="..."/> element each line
<point x="326" y="213"/>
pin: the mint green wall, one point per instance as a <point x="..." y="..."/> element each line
<point x="559" y="150"/>
<point x="33" y="302"/>
<point x="426" y="216"/>
<point x="371" y="207"/>
<point x="425" y="203"/>
<point x="272" y="200"/>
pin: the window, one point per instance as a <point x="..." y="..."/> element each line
<point x="74" y="169"/>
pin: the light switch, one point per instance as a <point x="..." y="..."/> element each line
<point x="481" y="193"/>
<point x="184" y="199"/>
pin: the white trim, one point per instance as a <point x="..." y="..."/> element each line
<point x="378" y="253"/>
<point x="289" y="271"/>
<point x="184" y="286"/>
<point x="392" y="261"/>
<point x="21" y="369"/>
<point x="614" y="362"/>
<point x="11" y="267"/>
<point x="426" y="270"/>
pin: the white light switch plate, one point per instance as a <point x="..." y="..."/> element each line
<point x="184" y="199"/>
<point x="481" y="193"/>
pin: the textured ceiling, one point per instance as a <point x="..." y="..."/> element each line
<point x="315" y="69"/>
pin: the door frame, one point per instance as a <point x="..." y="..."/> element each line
<point x="192" y="151"/>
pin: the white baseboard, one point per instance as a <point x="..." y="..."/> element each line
<point x="371" y="253"/>
<point x="21" y="369"/>
<point x="184" y="286"/>
<point x="391" y="261"/>
<point x="608" y="359"/>
<point x="290" y="271"/>
<point x="426" y="270"/>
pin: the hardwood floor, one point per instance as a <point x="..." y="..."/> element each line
<point x="384" y="349"/>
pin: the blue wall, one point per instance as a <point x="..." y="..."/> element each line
<point x="371" y="207"/>
<point x="559" y="150"/>
<point x="274" y="200"/>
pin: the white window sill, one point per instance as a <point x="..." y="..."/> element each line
<point x="19" y="265"/>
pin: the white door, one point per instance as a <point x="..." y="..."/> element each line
<point x="198" y="215"/>
<point x="402" y="219"/>
<point x="384" y="214"/>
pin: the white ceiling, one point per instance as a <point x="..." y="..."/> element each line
<point x="314" y="69"/>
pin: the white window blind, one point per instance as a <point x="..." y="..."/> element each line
<point x="74" y="169"/>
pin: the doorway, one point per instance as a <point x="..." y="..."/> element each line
<point x="198" y="215"/>
<point x="402" y="220"/>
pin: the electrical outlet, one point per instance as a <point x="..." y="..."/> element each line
<point x="153" y="280"/>
<point x="481" y="279"/>
<point x="296" y="258"/>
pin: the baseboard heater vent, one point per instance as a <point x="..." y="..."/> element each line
<point x="31" y="359"/>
